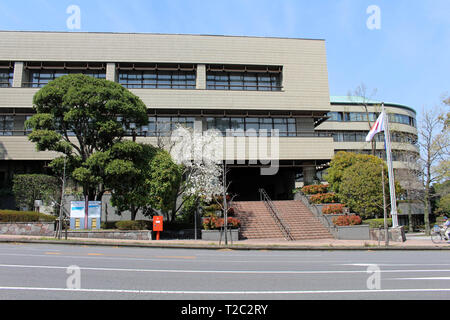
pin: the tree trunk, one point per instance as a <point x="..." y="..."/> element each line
<point x="133" y="211"/>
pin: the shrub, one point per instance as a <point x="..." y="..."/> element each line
<point x="132" y="225"/>
<point x="315" y="189"/>
<point x="24" y="216"/>
<point x="377" y="223"/>
<point x="344" y="221"/>
<point x="215" y="223"/>
<point x="333" y="209"/>
<point x="324" y="198"/>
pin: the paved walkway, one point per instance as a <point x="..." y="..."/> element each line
<point x="417" y="242"/>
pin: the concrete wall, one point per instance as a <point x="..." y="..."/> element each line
<point x="45" y="229"/>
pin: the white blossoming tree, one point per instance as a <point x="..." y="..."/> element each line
<point x="201" y="157"/>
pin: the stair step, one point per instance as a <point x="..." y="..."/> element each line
<point x="257" y="221"/>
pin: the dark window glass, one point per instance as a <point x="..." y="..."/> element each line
<point x="153" y="79"/>
<point x="6" y="78"/>
<point x="248" y="81"/>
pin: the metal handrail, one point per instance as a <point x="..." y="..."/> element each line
<point x="317" y="213"/>
<point x="284" y="227"/>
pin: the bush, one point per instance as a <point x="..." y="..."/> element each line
<point x="132" y="225"/>
<point x="377" y="223"/>
<point x="215" y="223"/>
<point x="324" y="198"/>
<point x="345" y="221"/>
<point x="333" y="209"/>
<point x="315" y="189"/>
<point x="24" y="216"/>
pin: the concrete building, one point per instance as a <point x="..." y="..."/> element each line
<point x="201" y="81"/>
<point x="348" y="124"/>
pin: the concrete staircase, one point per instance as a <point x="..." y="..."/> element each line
<point x="258" y="223"/>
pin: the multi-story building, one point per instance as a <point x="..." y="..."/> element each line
<point x="350" y="121"/>
<point x="203" y="82"/>
<point x="245" y="84"/>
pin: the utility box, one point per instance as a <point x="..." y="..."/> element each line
<point x="78" y="215"/>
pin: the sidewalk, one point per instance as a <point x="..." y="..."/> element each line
<point x="413" y="243"/>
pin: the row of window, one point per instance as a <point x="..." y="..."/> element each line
<point x="38" y="79"/>
<point x="250" y="126"/>
<point x="400" y="156"/>
<point x="372" y="116"/>
<point x="153" y="76"/>
<point x="158" y="79"/>
<point x="360" y="136"/>
<point x="248" y="81"/>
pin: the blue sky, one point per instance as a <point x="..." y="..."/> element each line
<point x="407" y="61"/>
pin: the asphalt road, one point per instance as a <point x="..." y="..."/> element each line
<point x="40" y="272"/>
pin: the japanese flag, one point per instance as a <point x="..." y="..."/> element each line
<point x="377" y="127"/>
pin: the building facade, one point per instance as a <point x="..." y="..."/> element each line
<point x="239" y="85"/>
<point x="247" y="84"/>
<point x="350" y="121"/>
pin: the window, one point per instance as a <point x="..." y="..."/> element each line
<point x="154" y="76"/>
<point x="40" y="78"/>
<point x="336" y="116"/>
<point x="6" y="78"/>
<point x="243" y="78"/>
<point x="6" y="125"/>
<point x="163" y="126"/>
<point x="252" y="126"/>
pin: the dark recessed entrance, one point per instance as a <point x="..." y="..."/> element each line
<point x="246" y="182"/>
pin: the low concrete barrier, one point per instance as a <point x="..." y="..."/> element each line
<point x="395" y="234"/>
<point x="361" y="232"/>
<point x="44" y="229"/>
<point x="111" y="234"/>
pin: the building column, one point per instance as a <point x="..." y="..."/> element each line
<point x="19" y="75"/>
<point x="111" y="72"/>
<point x="309" y="175"/>
<point x="201" y="77"/>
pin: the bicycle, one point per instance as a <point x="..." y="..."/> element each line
<point x="438" y="235"/>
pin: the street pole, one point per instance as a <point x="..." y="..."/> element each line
<point x="386" y="227"/>
<point x="225" y="214"/>
<point x="62" y="200"/>
<point x="387" y="136"/>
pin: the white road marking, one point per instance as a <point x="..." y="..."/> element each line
<point x="223" y="292"/>
<point x="223" y="271"/>
<point x="427" y="278"/>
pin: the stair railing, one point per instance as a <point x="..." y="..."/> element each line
<point x="284" y="227"/>
<point x="317" y="213"/>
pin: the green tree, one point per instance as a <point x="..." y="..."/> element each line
<point x="77" y="116"/>
<point x="361" y="187"/>
<point x="140" y="176"/>
<point x="442" y="190"/>
<point x="341" y="161"/>
<point x="30" y="187"/>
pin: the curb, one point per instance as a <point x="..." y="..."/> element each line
<point x="230" y="247"/>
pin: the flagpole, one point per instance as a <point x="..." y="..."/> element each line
<point x="387" y="136"/>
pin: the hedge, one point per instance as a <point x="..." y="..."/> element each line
<point x="345" y="221"/>
<point x="377" y="223"/>
<point x="133" y="225"/>
<point x="24" y="216"/>
<point x="333" y="209"/>
<point x="324" y="198"/>
<point x="315" y="189"/>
